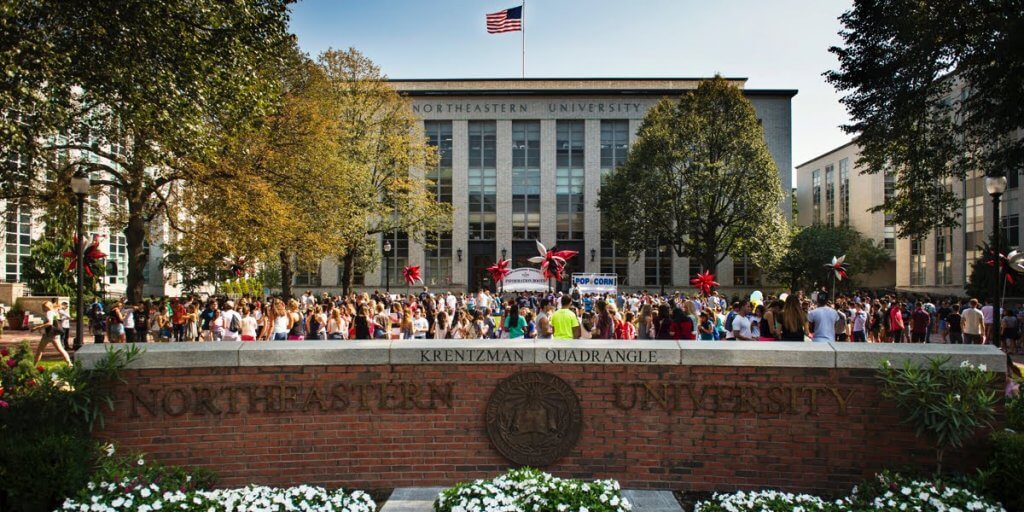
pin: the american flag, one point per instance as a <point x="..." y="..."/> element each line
<point x="508" y="20"/>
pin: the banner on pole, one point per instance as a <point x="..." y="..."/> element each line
<point x="596" y="283"/>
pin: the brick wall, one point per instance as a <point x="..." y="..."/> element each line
<point x="758" y="432"/>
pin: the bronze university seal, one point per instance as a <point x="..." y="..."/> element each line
<point x="533" y="418"/>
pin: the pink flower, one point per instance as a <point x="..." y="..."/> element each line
<point x="4" y="405"/>
<point x="4" y="352"/>
<point x="40" y="369"/>
<point x="1012" y="388"/>
<point x="30" y="382"/>
<point x="12" y="363"/>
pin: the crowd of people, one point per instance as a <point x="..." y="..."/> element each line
<point x="572" y="315"/>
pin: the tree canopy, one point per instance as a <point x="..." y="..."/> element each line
<point x="802" y="265"/>
<point x="900" y="67"/>
<point x="130" y="92"/>
<point x="700" y="180"/>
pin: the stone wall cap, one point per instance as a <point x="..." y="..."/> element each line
<point x="795" y="354"/>
<point x="498" y="351"/>
<point x="591" y="351"/>
<point x="314" y="352"/>
<point x="168" y="355"/>
<point x="872" y="355"/>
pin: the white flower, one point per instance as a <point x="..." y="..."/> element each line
<point x="956" y="397"/>
<point x="983" y="367"/>
<point x="141" y="462"/>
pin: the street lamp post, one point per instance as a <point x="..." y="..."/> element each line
<point x="661" y="280"/>
<point x="996" y="185"/>
<point x="80" y="187"/>
<point x="387" y="267"/>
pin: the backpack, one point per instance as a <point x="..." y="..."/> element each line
<point x="234" y="326"/>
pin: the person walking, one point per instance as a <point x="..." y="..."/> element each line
<point x="973" y="324"/>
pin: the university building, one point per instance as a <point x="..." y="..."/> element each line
<point x="520" y="160"/>
<point x="831" y="190"/>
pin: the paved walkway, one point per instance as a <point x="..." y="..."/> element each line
<point x="421" y="499"/>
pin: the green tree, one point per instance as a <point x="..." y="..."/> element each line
<point x="802" y="265"/>
<point x="130" y="91"/>
<point x="381" y="140"/>
<point x="898" y="66"/>
<point x="980" y="282"/>
<point x="46" y="270"/>
<point x="698" y="179"/>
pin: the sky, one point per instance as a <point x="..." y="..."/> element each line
<point x="775" y="44"/>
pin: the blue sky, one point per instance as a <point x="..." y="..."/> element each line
<point x="774" y="43"/>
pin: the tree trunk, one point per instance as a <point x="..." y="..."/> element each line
<point x="709" y="260"/>
<point x="286" y="274"/>
<point x="347" y="272"/>
<point x="135" y="238"/>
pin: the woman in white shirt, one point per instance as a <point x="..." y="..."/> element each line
<point x="248" y="324"/>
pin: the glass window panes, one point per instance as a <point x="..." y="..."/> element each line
<point x="482" y="180"/>
<point x="844" y="191"/>
<point x="816" y="195"/>
<point x="439" y="135"/>
<point x="397" y="259"/>
<point x="569" y="178"/>
<point x="657" y="266"/>
<point x="438" y="252"/>
<point x="614" y="143"/>
<point x="830" y="196"/>
<point x="18" y="238"/>
<point x="525" y="180"/>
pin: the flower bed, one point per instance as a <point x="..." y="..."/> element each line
<point x="123" y="496"/>
<point x="887" y="492"/>
<point x="528" y="489"/>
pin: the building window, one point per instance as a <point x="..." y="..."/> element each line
<point x="397" y="259"/>
<point x="1011" y="232"/>
<point x="439" y="135"/>
<point x="614" y="261"/>
<point x="614" y="143"/>
<point x="816" y="196"/>
<point x="943" y="256"/>
<point x="18" y="240"/>
<point x="525" y="180"/>
<point x="569" y="180"/>
<point x="844" y="191"/>
<point x="482" y="180"/>
<point x="614" y="146"/>
<point x="745" y="273"/>
<point x="438" y="269"/>
<point x="918" y="265"/>
<point x="307" y="274"/>
<point x="657" y="265"/>
<point x="974" y="217"/>
<point x="1013" y="179"/>
<point x="889" y="228"/>
<point x="830" y="195"/>
<point x="119" y="259"/>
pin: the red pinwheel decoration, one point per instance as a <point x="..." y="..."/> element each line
<point x="704" y="282"/>
<point x="1011" y="264"/>
<point x="91" y="255"/>
<point x="411" y="274"/>
<point x="238" y="266"/>
<point x="499" y="270"/>
<point x="838" y="267"/>
<point x="552" y="263"/>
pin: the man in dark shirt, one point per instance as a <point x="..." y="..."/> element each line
<point x="919" y="321"/>
<point x="954" y="332"/>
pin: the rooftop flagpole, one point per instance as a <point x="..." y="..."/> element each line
<point x="524" y="38"/>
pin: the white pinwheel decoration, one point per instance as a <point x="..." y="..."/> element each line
<point x="552" y="263"/>
<point x="838" y="266"/>
<point x="1015" y="261"/>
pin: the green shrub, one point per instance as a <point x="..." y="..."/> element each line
<point x="530" y="489"/>
<point x="46" y="416"/>
<point x="134" y="468"/>
<point x="947" y="405"/>
<point x="892" y="492"/>
<point x="1015" y="412"/>
<point x="1004" y="477"/>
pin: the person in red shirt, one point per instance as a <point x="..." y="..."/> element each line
<point x="178" y="319"/>
<point x="682" y="327"/>
<point x="895" y="323"/>
<point x="919" y="321"/>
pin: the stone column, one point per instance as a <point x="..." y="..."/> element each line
<point x="547" y="182"/>
<point x="503" y="227"/>
<point x="375" y="279"/>
<point x="460" y="202"/>
<point x="329" y="273"/>
<point x="591" y="186"/>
